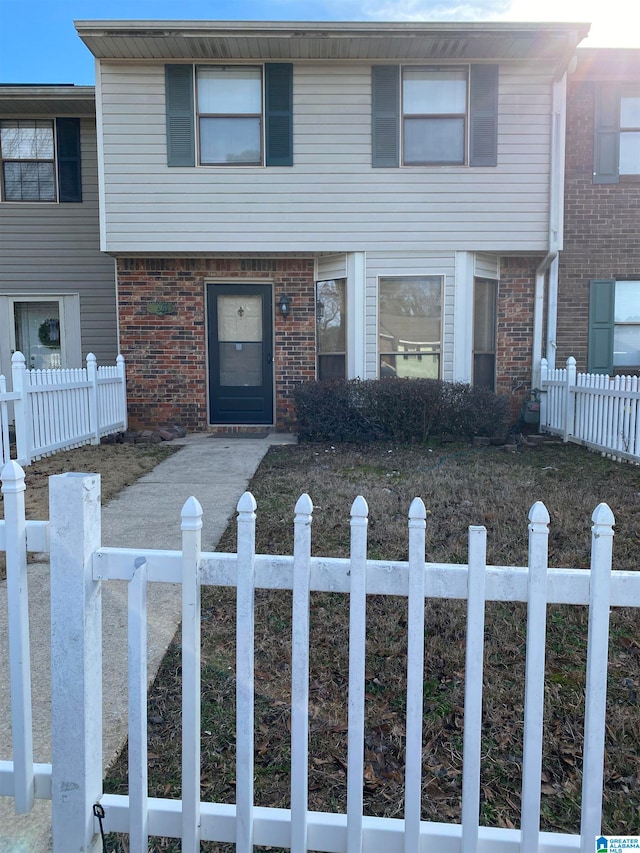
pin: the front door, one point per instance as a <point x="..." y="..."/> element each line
<point x="38" y="333"/>
<point x="240" y="353"/>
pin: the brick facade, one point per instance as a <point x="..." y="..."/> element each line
<point x="602" y="225"/>
<point x="166" y="355"/>
<point x="515" y="328"/>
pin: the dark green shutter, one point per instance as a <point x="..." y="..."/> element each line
<point x="278" y="83"/>
<point x="606" y="134"/>
<point x="181" y="148"/>
<point x="483" y="115"/>
<point x="601" y="324"/>
<point x="68" y="151"/>
<point x="385" y="116"/>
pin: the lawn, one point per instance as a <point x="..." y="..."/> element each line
<point x="460" y="486"/>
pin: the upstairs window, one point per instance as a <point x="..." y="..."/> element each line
<point x="230" y="115"/>
<point x="28" y="162"/>
<point x="40" y="160"/>
<point x="629" y="134"/>
<point x="616" y="144"/>
<point x="434" y="116"/>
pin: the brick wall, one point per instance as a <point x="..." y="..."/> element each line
<point x="515" y="328"/>
<point x="166" y="355"/>
<point x="602" y="228"/>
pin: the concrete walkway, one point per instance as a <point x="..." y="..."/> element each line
<point x="216" y="471"/>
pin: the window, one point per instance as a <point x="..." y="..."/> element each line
<point x="629" y="134"/>
<point x="485" y="293"/>
<point x="331" y="329"/>
<point x="614" y="326"/>
<point x="616" y="147"/>
<point x="243" y="115"/>
<point x="434" y="116"/>
<point x="28" y="172"/>
<point x="409" y="326"/>
<point x="230" y="115"/>
<point x="40" y="160"/>
<point x="434" y="104"/>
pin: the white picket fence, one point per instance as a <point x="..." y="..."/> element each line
<point x="61" y="408"/>
<point x="598" y="411"/>
<point x="79" y="569"/>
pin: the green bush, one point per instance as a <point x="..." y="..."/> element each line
<point x="406" y="410"/>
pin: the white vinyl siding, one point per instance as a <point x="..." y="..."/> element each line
<point x="54" y="249"/>
<point x="330" y="200"/>
<point x="331" y="266"/>
<point x="487" y="266"/>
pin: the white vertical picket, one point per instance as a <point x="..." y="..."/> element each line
<point x="76" y="661"/>
<point x="191" y="528"/>
<point x="4" y="422"/>
<point x="22" y="421"/>
<point x="415" y="676"/>
<point x="245" y="687"/>
<point x="94" y="417"/>
<point x="137" y="728"/>
<point x="300" y="674"/>
<point x="13" y="490"/>
<point x="534" y="676"/>
<point x="597" y="666"/>
<point x="544" y="398"/>
<point x="122" y="408"/>
<point x="570" y="398"/>
<point x="357" y="643"/>
<point x="472" y="732"/>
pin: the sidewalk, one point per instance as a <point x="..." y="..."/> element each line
<point x="216" y="470"/>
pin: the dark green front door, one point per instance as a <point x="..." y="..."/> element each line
<point x="240" y="353"/>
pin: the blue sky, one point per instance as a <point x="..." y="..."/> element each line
<point x="38" y="42"/>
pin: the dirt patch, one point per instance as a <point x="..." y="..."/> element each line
<point x="119" y="465"/>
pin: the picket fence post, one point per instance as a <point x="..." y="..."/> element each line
<point x="544" y="378"/>
<point x="570" y="400"/>
<point x="122" y="373"/>
<point x="22" y="420"/>
<point x="76" y="661"/>
<point x="13" y="490"/>
<point x="94" y="406"/>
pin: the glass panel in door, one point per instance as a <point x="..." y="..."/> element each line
<point x="240" y="340"/>
<point x="38" y="334"/>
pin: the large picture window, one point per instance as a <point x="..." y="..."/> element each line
<point x="434" y="106"/>
<point x="28" y="160"/>
<point x="230" y="115"/>
<point x="410" y="326"/>
<point x="331" y="329"/>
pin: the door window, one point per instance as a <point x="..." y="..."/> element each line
<point x="38" y="333"/>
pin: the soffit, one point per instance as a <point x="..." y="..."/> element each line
<point x="33" y="100"/>
<point x="215" y="40"/>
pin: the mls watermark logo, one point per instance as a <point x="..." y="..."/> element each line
<point x="617" y="843"/>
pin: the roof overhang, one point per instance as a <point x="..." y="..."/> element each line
<point x="377" y="42"/>
<point x="47" y="100"/>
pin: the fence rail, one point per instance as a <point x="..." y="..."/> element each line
<point x="79" y="569"/>
<point x="61" y="408"/>
<point x="597" y="411"/>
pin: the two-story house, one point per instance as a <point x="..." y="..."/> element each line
<point x="57" y="289"/>
<point x="286" y="201"/>
<point x="597" y="318"/>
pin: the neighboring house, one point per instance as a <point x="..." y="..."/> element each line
<point x="286" y="201"/>
<point x="598" y="314"/>
<point x="57" y="289"/>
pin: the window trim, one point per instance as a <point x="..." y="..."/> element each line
<point x="440" y="352"/>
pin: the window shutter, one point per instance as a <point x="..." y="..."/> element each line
<point x="68" y="152"/>
<point x="483" y="115"/>
<point x="601" y="321"/>
<point x="385" y="117"/>
<point x="606" y="134"/>
<point x="279" y="113"/>
<point x="181" y="149"/>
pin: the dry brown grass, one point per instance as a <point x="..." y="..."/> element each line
<point x="460" y="486"/>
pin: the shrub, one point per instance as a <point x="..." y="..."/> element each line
<point x="389" y="409"/>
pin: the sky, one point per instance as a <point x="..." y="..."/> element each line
<point x="38" y="42"/>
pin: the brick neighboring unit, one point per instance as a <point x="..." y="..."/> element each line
<point x="602" y="221"/>
<point x="166" y="356"/>
<point x="515" y="328"/>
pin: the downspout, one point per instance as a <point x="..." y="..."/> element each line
<point x="556" y="214"/>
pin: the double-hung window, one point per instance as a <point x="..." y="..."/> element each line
<point x="40" y="160"/>
<point x="614" y="326"/>
<point x="434" y="115"/>
<point x="629" y="133"/>
<point x="616" y="145"/>
<point x="230" y="115"/>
